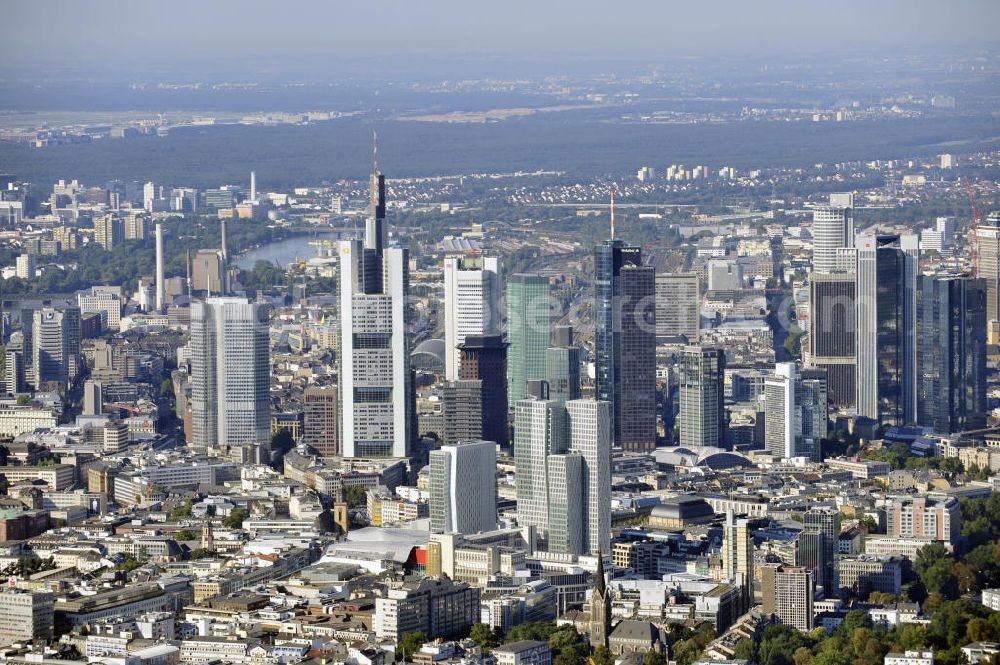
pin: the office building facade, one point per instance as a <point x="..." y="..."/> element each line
<point x="833" y="333"/>
<point x="230" y="375"/>
<point x="528" y="324"/>
<point x="320" y="422"/>
<point x="678" y="306"/>
<point x="463" y="493"/>
<point x="483" y="358"/>
<point x="701" y="390"/>
<point x="886" y="322"/>
<point x="952" y="354"/>
<point x="471" y="297"/>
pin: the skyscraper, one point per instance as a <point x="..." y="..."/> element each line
<point x="788" y="593"/>
<point x="952" y="354"/>
<point x="833" y="333"/>
<point x="55" y="345"/>
<point x="208" y="273"/>
<point x="471" y="297"/>
<point x="886" y="319"/>
<point x="539" y="431"/>
<point x="625" y="342"/>
<point x="678" y="306"/>
<point x="988" y="262"/>
<point x="826" y="523"/>
<point x="737" y="554"/>
<point x="562" y="365"/>
<point x="795" y="412"/>
<point x="463" y="494"/>
<point x="484" y="359"/>
<point x="319" y="427"/>
<point x="832" y="229"/>
<point x="781" y="427"/>
<point x="230" y="376"/>
<point x="462" y="411"/>
<point x="528" y="323"/>
<point x="376" y="387"/>
<point x="702" y="387"/>
<point x="161" y="287"/>
<point x="589" y="423"/>
<point x="562" y="456"/>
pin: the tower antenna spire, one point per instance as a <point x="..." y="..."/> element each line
<point x="374" y="151"/>
<point x="612" y="214"/>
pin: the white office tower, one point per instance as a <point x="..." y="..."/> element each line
<point x="796" y="412"/>
<point x="463" y="494"/>
<point x="230" y="377"/>
<point x="471" y="301"/>
<point x="888" y="266"/>
<point x="832" y="229"/>
<point x="149" y="196"/>
<point x="590" y="437"/>
<point x="253" y="187"/>
<point x="782" y="427"/>
<point x="161" y="287"/>
<point x="375" y="396"/>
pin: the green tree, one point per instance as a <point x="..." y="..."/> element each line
<point x="181" y="512"/>
<point x="939" y="579"/>
<point x="653" y="657"/>
<point x="602" y="656"/>
<point x="185" y="535"/>
<point x="483" y="636"/>
<point x="744" y="650"/>
<point x="356" y="496"/>
<point x="928" y="555"/>
<point x="200" y="553"/>
<point x="409" y="644"/>
<point x="22" y="400"/>
<point x="235" y="518"/>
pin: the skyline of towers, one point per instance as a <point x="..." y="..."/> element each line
<point x="528" y="324"/>
<point x="886" y="323"/>
<point x="471" y="297"/>
<point x="376" y="403"/>
<point x="230" y="376"/>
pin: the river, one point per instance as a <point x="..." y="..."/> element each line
<point x="283" y="252"/>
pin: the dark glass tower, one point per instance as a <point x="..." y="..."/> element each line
<point x="625" y="342"/>
<point x="886" y="320"/>
<point x="484" y="359"/>
<point x="952" y="360"/>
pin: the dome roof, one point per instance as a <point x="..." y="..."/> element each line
<point x="686" y="508"/>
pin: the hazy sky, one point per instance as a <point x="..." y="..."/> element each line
<point x="127" y="35"/>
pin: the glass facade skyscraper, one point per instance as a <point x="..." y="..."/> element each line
<point x="952" y="354"/>
<point x="527" y="332"/>
<point x="886" y="319"/>
<point x="625" y="342"/>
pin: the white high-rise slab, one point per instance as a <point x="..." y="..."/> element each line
<point x="471" y="302"/>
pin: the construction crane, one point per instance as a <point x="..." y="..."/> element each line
<point x="975" y="228"/>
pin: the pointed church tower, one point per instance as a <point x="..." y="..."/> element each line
<point x="600" y="609"/>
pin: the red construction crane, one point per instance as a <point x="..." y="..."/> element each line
<point x="975" y="228"/>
